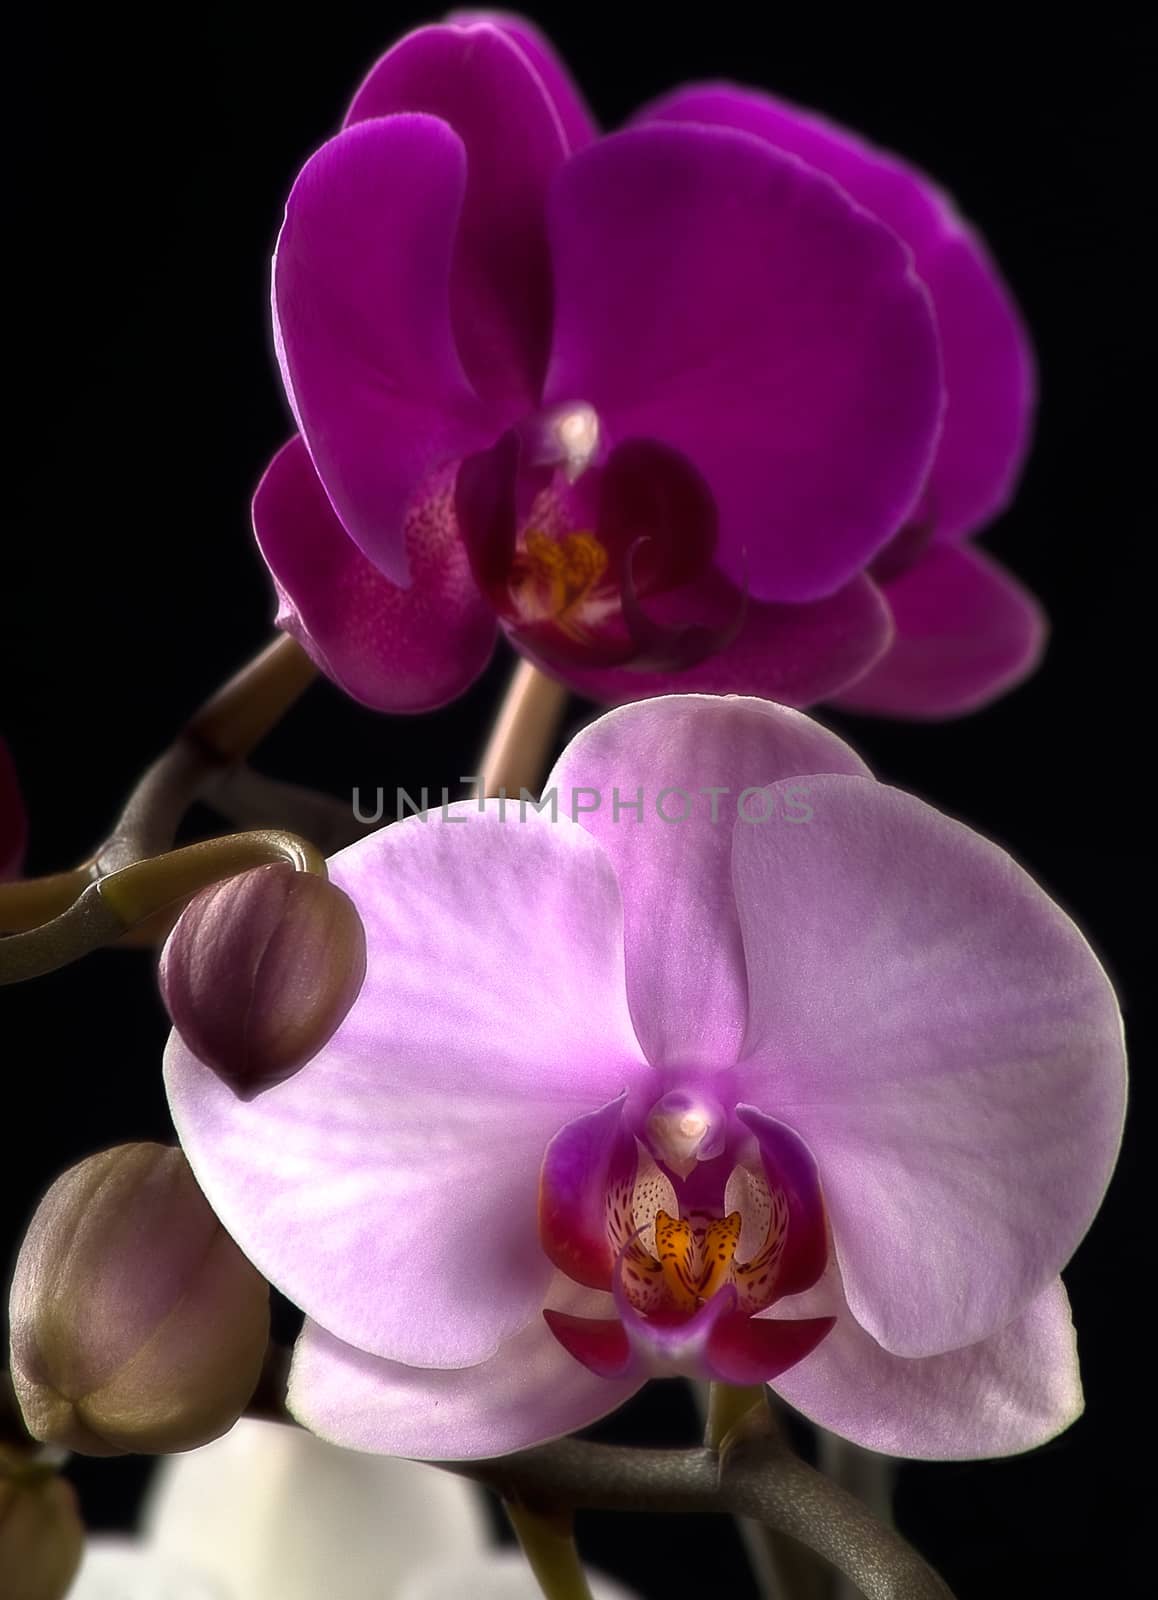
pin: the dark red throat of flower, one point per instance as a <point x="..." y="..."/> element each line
<point x="568" y="565"/>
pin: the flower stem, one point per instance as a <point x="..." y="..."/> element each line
<point x="57" y="919"/>
<point x="727" y="1406"/>
<point x="520" y="740"/>
<point x="783" y="1570"/>
<point x="146" y="894"/>
<point x="870" y="1477"/>
<point x="549" y="1546"/>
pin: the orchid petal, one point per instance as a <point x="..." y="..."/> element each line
<point x="232" y="1510"/>
<point x="601" y="1344"/>
<point x="723" y="299"/>
<point x="793" y="654"/>
<point x="123" y="1569"/>
<point x="529" y="1391"/>
<point x="717" y="1343"/>
<point x="477" y="78"/>
<point x="1009" y="1392"/>
<point x="498" y="1575"/>
<point x="966" y="632"/>
<point x="790" y="1170"/>
<point x="570" y="107"/>
<point x="685" y="971"/>
<point x="581" y="1163"/>
<point x="389" y="1187"/>
<point x="988" y="360"/>
<point x="361" y="297"/>
<point x="394" y="649"/>
<point x="941" y="1036"/>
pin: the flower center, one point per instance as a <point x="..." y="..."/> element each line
<point x="551" y="578"/>
<point x="673" y="1258"/>
<point x="695" y="1260"/>
<point x="577" y="546"/>
<point x="684" y="1128"/>
<point x="568" y="437"/>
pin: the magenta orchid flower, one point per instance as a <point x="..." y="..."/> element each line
<point x="759" y="1071"/>
<point x="665" y="407"/>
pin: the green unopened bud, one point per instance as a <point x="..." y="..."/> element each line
<point x="41" y="1534"/>
<point x="137" y="1324"/>
<point x="260" y="971"/>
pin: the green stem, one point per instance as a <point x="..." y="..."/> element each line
<point x="137" y="895"/>
<point x="783" y="1570"/>
<point x="520" y="741"/>
<point x="549" y="1546"/>
<point x="728" y="1405"/>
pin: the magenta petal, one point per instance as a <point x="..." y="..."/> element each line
<point x="717" y="1343"/>
<point x="477" y="78"/>
<point x="1009" y="1392"/>
<point x="361" y="297"/>
<point x="721" y="298"/>
<point x="600" y="1343"/>
<point x="529" y="1391"/>
<point x="745" y="1350"/>
<point x="390" y="1187"/>
<point x="794" y="654"/>
<point x="944" y="1040"/>
<point x="790" y="1167"/>
<point x="966" y="632"/>
<point x="685" y="964"/>
<point x="990" y="380"/>
<point x="394" y="649"/>
<point x="988" y="362"/>
<point x="570" y="107"/>
<point x="13" y="819"/>
<point x="486" y="513"/>
<point x="579" y="1166"/>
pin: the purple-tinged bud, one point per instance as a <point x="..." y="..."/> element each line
<point x="137" y="1324"/>
<point x="41" y="1534"/>
<point x="260" y="971"/>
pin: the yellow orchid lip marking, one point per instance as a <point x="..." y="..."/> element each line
<point x="718" y="1253"/>
<point x="695" y="1267"/>
<point x="555" y="576"/>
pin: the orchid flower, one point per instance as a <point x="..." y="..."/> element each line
<point x="657" y="405"/>
<point x="269" y="1513"/>
<point x="742" y="1065"/>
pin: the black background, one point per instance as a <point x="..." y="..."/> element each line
<point x="146" y="162"/>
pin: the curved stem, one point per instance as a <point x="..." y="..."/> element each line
<point x="727" y="1408"/>
<point x="135" y="874"/>
<point x="520" y="740"/>
<point x="28" y="902"/>
<point x="122" y="900"/>
<point x="782" y="1570"/>
<point x="754" y="1475"/>
<point x="221" y="733"/>
<point x="868" y="1476"/>
<point x="249" y="799"/>
<point x="548" y="1543"/>
<point x="214" y="739"/>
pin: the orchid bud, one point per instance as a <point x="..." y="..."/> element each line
<point x="41" y="1534"/>
<point x="259" y="972"/>
<point x="137" y="1324"/>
